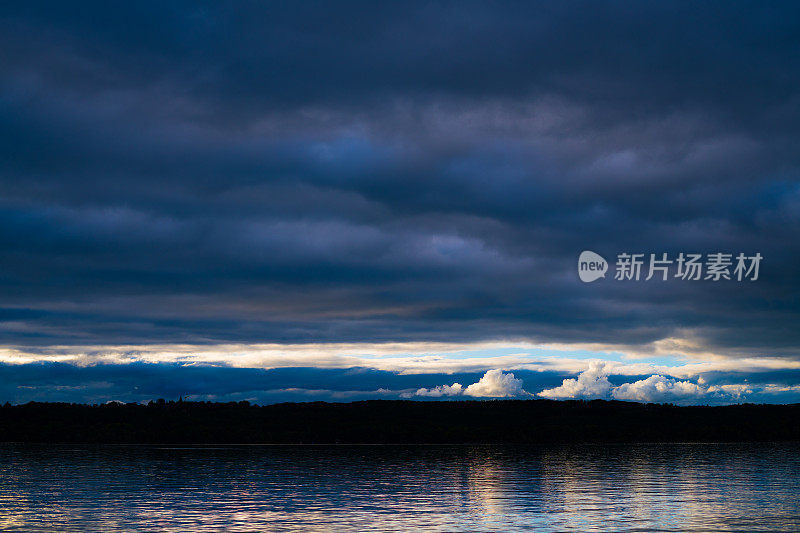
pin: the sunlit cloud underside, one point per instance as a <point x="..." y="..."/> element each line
<point x="660" y="372"/>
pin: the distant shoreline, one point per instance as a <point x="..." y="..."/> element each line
<point x="397" y="422"/>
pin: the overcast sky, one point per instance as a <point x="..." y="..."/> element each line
<point x="346" y="200"/>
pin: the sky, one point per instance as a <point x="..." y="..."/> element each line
<point x="301" y="201"/>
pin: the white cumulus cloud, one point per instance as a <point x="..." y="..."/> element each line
<point x="493" y="384"/>
<point x="658" y="388"/>
<point x="594" y="383"/>
<point x="442" y="390"/>
<point x="496" y="384"/>
<point x="591" y="383"/>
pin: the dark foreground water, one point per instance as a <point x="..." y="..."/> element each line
<point x="678" y="487"/>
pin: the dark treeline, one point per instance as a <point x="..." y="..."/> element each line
<point x="380" y="421"/>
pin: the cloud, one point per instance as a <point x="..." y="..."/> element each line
<point x="244" y="174"/>
<point x="493" y="384"/>
<point x="496" y="384"/>
<point x="591" y="383"/>
<point x="410" y="358"/>
<point x="659" y="389"/>
<point x="442" y="390"/>
<point x="140" y="381"/>
<point x="737" y="390"/>
<point x="594" y="383"/>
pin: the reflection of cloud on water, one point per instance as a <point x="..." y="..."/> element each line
<point x="713" y="487"/>
<point x="487" y="484"/>
<point x="13" y="521"/>
<point x="683" y="486"/>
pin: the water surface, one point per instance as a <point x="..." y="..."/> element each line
<point x="678" y="487"/>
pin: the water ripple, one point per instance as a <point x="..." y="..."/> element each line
<point x="634" y="488"/>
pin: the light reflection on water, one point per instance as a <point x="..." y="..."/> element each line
<point x="677" y="487"/>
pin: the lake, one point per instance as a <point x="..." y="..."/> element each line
<point x="674" y="487"/>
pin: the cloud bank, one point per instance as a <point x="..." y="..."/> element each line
<point x="140" y="381"/>
<point x="594" y="383"/>
<point x="263" y="173"/>
<point x="659" y="389"/>
<point x="285" y="189"/>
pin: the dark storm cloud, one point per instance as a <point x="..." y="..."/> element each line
<point x="412" y="171"/>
